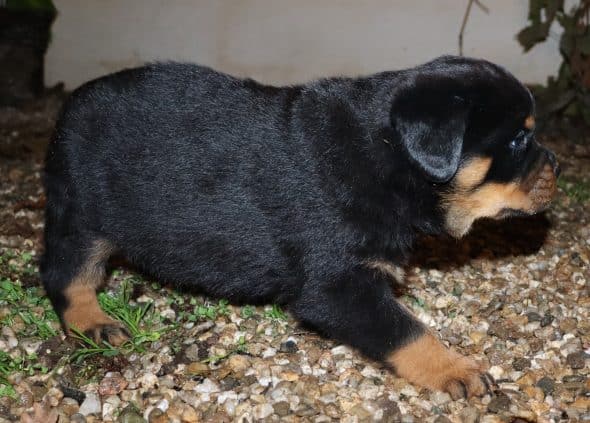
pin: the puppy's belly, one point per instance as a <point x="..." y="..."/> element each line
<point x="238" y="267"/>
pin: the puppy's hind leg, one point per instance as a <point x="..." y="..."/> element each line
<point x="357" y="307"/>
<point x="72" y="269"/>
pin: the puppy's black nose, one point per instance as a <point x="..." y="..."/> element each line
<point x="553" y="161"/>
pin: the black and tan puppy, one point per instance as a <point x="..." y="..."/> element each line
<point x="309" y="196"/>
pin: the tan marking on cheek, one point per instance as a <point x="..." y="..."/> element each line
<point x="388" y="269"/>
<point x="464" y="207"/>
<point x="473" y="172"/>
<point x="427" y="362"/>
<point x="493" y="197"/>
<point x="529" y="122"/>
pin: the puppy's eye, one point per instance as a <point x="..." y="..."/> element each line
<point x="519" y="141"/>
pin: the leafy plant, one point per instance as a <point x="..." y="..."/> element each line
<point x="568" y="94"/>
<point x="208" y="311"/>
<point x="32" y="307"/>
<point x="91" y="348"/>
<point x="248" y="311"/>
<point x="10" y="365"/>
<point x="139" y="320"/>
<point x="275" y="312"/>
<point x="119" y="307"/>
<point x="239" y="348"/>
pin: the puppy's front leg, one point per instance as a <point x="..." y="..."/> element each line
<point x="357" y="307"/>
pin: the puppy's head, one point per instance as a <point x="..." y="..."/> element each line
<point x="468" y="127"/>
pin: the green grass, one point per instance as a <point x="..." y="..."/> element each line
<point x="30" y="306"/>
<point x="119" y="307"/>
<point x="28" y="311"/>
<point x="578" y="190"/>
<point x="208" y="311"/>
<point x="10" y="365"/>
<point x="139" y="319"/>
<point x="275" y="312"/>
<point x="248" y="312"/>
<point x="418" y="302"/>
<point x="239" y="348"/>
<point x="90" y="348"/>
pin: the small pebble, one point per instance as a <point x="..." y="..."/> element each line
<point x="499" y="403"/>
<point x="289" y="347"/>
<point x="546" y="384"/>
<point x="577" y="360"/>
<point x="521" y="363"/>
<point x="91" y="405"/>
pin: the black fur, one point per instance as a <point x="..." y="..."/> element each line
<point x="256" y="193"/>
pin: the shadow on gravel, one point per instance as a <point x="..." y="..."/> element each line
<point x="488" y="239"/>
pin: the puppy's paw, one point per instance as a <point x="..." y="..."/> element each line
<point x="113" y="333"/>
<point x="84" y="315"/>
<point x="427" y="362"/>
<point x="466" y="379"/>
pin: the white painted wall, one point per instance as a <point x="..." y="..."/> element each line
<point x="285" y="41"/>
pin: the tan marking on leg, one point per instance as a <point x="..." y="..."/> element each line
<point x="83" y="312"/>
<point x="427" y="362"/>
<point x="388" y="269"/>
<point x="529" y="122"/>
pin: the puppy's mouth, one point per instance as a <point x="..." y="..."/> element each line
<point x="508" y="212"/>
<point x="541" y="189"/>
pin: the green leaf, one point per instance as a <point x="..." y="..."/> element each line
<point x="553" y="6"/>
<point x="532" y="35"/>
<point x="535" y="7"/>
<point x="583" y="44"/>
<point x="567" y="43"/>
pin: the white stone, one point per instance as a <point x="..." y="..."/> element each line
<point x="370" y="371"/>
<point x="90" y="405"/>
<point x="168" y="314"/>
<point x="225" y="396"/>
<point x="341" y="350"/>
<point x="269" y="352"/>
<point x="163" y="405"/>
<point x="440" y="398"/>
<point x="148" y="380"/>
<point x="496" y="371"/>
<point x="409" y="391"/>
<point x="262" y="411"/>
<point x="12" y="342"/>
<point x="30" y="346"/>
<point x="230" y="407"/>
<point x="207" y="387"/>
<point x="108" y="410"/>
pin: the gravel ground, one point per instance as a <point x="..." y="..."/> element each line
<point x="514" y="294"/>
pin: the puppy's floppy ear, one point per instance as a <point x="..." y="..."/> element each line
<point x="430" y="124"/>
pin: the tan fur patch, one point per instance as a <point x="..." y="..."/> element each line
<point x="467" y="201"/>
<point x="83" y="312"/>
<point x="388" y="269"/>
<point x="463" y="208"/>
<point x="427" y="362"/>
<point x="529" y="122"/>
<point x="473" y="172"/>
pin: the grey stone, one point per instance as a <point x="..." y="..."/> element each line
<point x="499" y="403"/>
<point x="577" y="360"/>
<point x="546" y="384"/>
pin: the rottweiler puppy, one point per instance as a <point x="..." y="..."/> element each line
<point x="310" y="196"/>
